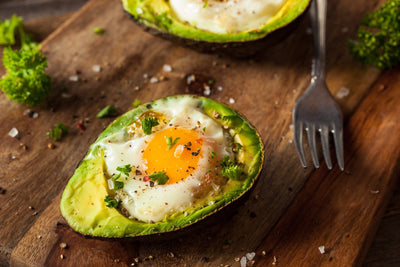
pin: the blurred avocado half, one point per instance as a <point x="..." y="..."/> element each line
<point x="234" y="27"/>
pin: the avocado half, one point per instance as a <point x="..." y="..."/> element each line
<point x="157" y="18"/>
<point x="82" y="203"/>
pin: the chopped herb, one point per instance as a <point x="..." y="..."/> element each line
<point x="111" y="202"/>
<point x="125" y="169"/>
<point x="211" y="82"/>
<point x="204" y="129"/>
<point x="163" y="20"/>
<point x="160" y="177"/>
<point x="118" y="185"/>
<point x="98" y="30"/>
<point x="136" y="103"/>
<point x="213" y="155"/>
<point x="108" y="111"/>
<point x="171" y="143"/>
<point x="231" y="170"/>
<point x="205" y="4"/>
<point x="378" y="41"/>
<point x="58" y="131"/>
<point x="148" y="123"/>
<point x="236" y="147"/>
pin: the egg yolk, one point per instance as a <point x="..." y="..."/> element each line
<point x="178" y="157"/>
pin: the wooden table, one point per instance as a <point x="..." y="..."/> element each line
<point x="384" y="249"/>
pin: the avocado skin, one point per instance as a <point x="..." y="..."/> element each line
<point x="82" y="203"/>
<point x="235" y="49"/>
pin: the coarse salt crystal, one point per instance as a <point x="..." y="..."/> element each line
<point x="321" y="249"/>
<point x="145" y="75"/>
<point x="191" y="78"/>
<point x="74" y="78"/>
<point x="110" y="184"/>
<point x="139" y="10"/>
<point x="154" y="80"/>
<point x="250" y="256"/>
<point x="219" y="88"/>
<point x="207" y="92"/>
<point x="13" y="132"/>
<point x="167" y="68"/>
<point x="96" y="68"/>
<point x="185" y="214"/>
<point x="243" y="262"/>
<point x="231" y="100"/>
<point x="343" y="91"/>
<point x="35" y="115"/>
<point x="65" y="95"/>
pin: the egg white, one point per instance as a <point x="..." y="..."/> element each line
<point x="226" y="16"/>
<point x="154" y="203"/>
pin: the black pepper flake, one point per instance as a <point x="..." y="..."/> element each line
<point x="196" y="153"/>
<point x="204" y="259"/>
<point x="148" y="106"/>
<point x="151" y="183"/>
<point x="138" y="172"/>
<point x="2" y="191"/>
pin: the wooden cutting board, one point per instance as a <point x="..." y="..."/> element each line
<point x="290" y="212"/>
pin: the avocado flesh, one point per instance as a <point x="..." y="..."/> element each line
<point x="157" y="15"/>
<point x="82" y="203"/>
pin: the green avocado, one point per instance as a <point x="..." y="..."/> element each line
<point x="159" y="18"/>
<point x="83" y="202"/>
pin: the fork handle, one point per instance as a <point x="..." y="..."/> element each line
<point x="318" y="23"/>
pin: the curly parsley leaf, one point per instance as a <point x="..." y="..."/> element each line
<point x="108" y="111"/>
<point x="25" y="81"/>
<point x="125" y="169"/>
<point x="111" y="202"/>
<point x="58" y="132"/>
<point x="231" y="170"/>
<point x="8" y="28"/>
<point x="160" y="177"/>
<point x="378" y="38"/>
<point x="148" y="123"/>
<point x="170" y="142"/>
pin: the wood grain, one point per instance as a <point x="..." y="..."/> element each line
<point x="335" y="209"/>
<point x="265" y="89"/>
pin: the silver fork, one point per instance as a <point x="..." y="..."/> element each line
<point x="316" y="109"/>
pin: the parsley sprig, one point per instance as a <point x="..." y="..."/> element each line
<point x="230" y="169"/>
<point x="125" y="170"/>
<point x="160" y="177"/>
<point x="170" y="142"/>
<point x="378" y="38"/>
<point x="148" y="123"/>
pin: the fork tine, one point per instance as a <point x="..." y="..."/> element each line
<point x="298" y="140"/>
<point x="338" y="139"/>
<point x="312" y="143"/>
<point x="325" y="146"/>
